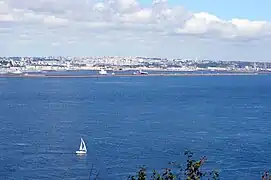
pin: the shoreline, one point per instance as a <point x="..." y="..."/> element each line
<point x="123" y="69"/>
<point x="120" y="75"/>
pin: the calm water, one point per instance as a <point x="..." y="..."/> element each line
<point x="132" y="121"/>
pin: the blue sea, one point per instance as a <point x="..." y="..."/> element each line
<point x="127" y="122"/>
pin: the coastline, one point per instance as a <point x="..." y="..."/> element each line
<point x="120" y="75"/>
<point x="123" y="69"/>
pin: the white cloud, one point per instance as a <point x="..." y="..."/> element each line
<point x="129" y="28"/>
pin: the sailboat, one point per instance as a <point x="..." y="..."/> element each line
<point x="82" y="148"/>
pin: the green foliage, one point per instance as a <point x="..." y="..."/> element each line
<point x="266" y="176"/>
<point x="191" y="172"/>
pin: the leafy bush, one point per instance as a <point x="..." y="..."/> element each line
<point x="266" y="176"/>
<point x="192" y="171"/>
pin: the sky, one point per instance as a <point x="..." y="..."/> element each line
<point x="203" y="29"/>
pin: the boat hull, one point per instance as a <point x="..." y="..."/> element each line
<point x="80" y="152"/>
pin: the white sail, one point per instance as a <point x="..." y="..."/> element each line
<point x="82" y="148"/>
<point x="81" y="145"/>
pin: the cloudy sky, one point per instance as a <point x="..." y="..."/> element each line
<point x="213" y="29"/>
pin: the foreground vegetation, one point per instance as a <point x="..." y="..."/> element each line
<point x="192" y="170"/>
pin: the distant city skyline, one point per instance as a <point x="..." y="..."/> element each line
<point x="211" y="29"/>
